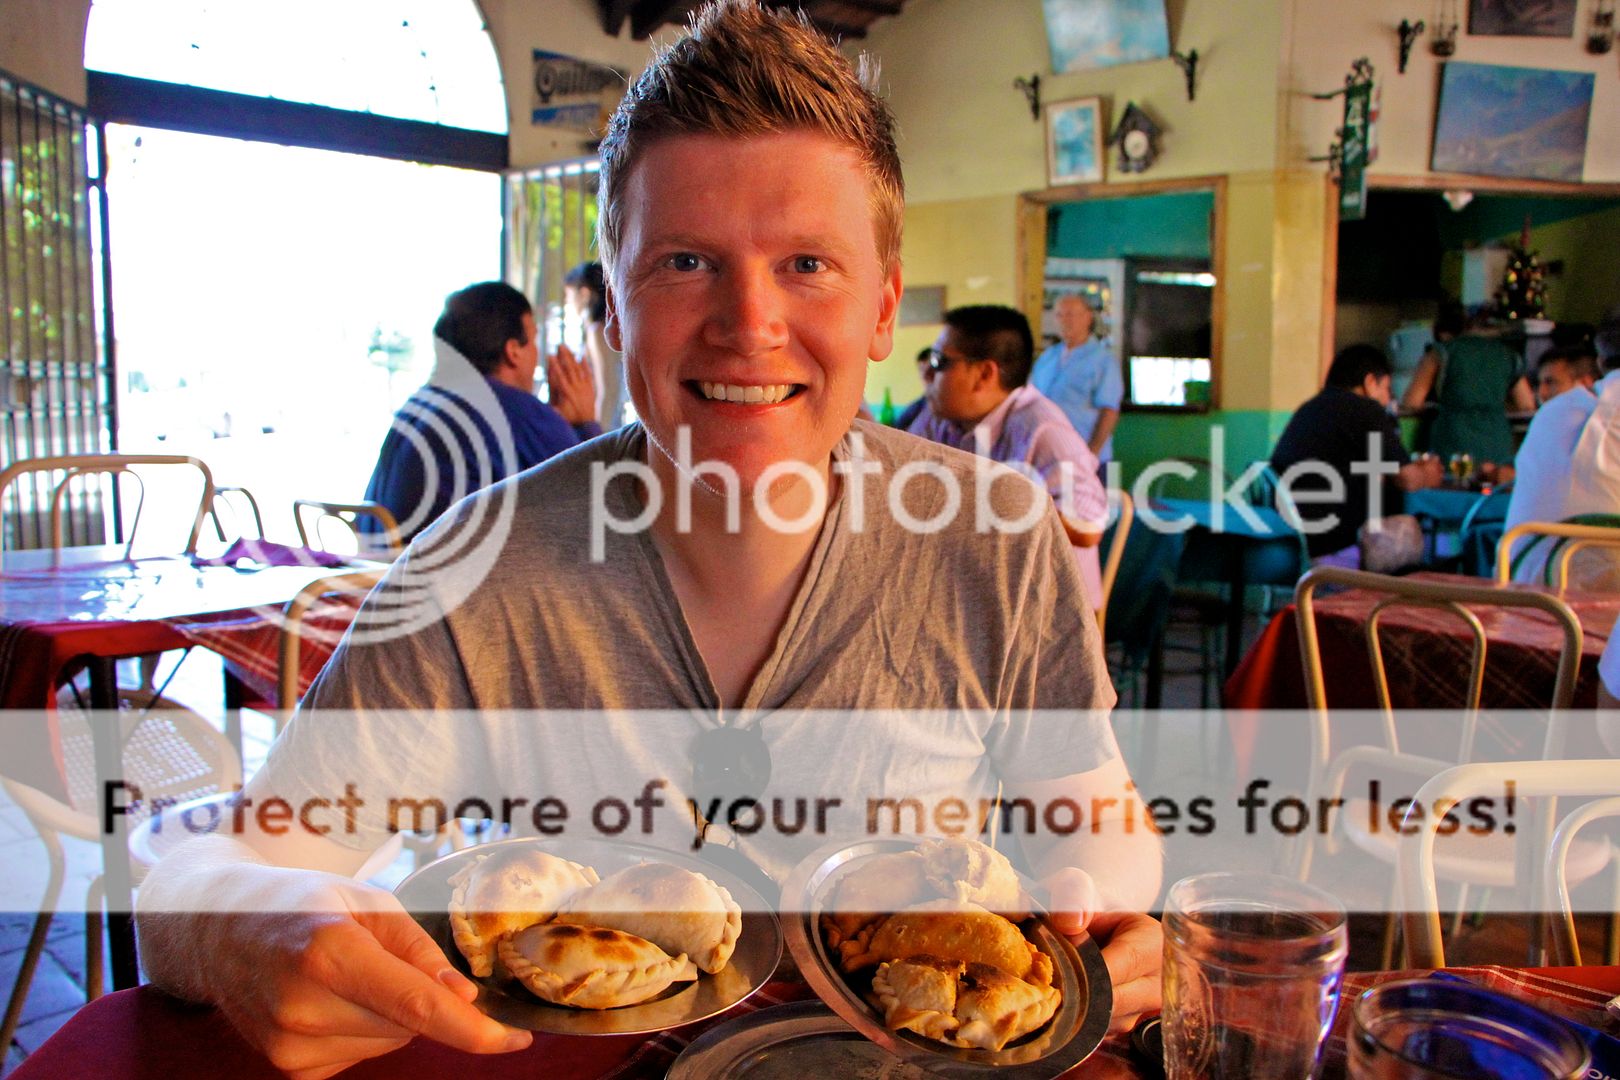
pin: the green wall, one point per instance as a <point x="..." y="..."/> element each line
<point x="1175" y="225"/>
<point x="1145" y="437"/>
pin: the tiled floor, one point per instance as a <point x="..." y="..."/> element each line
<point x="58" y="985"/>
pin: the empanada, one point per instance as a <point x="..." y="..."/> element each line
<point x="590" y="967"/>
<point x="971" y="872"/>
<point x="994" y="1008"/>
<point x="949" y="931"/>
<point x="919" y="995"/>
<point x="504" y="892"/>
<point x="967" y="1005"/>
<point x="675" y="909"/>
<point x="873" y="889"/>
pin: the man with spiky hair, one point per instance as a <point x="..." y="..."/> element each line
<point x="750" y="211"/>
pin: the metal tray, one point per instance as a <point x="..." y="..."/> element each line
<point x="788" y="1042"/>
<point x="426" y="895"/>
<point x="1066" y="1040"/>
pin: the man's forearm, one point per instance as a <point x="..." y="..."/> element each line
<point x="176" y="934"/>
<point x="1107" y="420"/>
<point x="1124" y="856"/>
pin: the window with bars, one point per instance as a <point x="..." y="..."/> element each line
<point x="54" y="381"/>
<point x="551" y="228"/>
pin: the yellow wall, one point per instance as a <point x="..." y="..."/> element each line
<point x="1329" y="34"/>
<point x="42" y="41"/>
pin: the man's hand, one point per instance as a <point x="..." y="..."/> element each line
<point x="1132" y="944"/>
<point x="319" y="972"/>
<point x="573" y="386"/>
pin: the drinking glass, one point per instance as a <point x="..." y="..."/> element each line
<point x="1252" y="965"/>
<point x="1433" y="1029"/>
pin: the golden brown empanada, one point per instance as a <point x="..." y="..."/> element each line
<point x="590" y="967"/>
<point x="675" y="909"/>
<point x="874" y="888"/>
<point x="967" y="1005"/>
<point x="504" y="892"/>
<point x="950" y="931"/>
<point x="994" y="1008"/>
<point x="971" y="872"/>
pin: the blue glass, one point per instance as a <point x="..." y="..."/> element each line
<point x="1422" y="1028"/>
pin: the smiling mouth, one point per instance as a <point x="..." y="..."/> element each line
<point x="745" y="395"/>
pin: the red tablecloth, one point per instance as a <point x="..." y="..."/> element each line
<point x="1426" y="654"/>
<point x="143" y="1034"/>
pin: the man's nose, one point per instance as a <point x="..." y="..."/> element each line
<point x="751" y="316"/>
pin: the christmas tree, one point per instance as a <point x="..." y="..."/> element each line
<point x="1524" y="289"/>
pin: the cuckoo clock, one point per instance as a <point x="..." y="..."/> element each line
<point x="1136" y="137"/>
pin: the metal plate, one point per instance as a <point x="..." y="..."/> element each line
<point x="788" y="1042"/>
<point x="1078" y="971"/>
<point x="426" y="895"/>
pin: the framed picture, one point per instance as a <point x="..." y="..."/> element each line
<point x="1511" y="121"/>
<point x="1515" y="18"/>
<point x="1086" y="34"/>
<point x="1074" y="141"/>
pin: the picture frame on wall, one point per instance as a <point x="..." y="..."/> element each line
<point x="1074" y="142"/>
<point x="1515" y="18"/>
<point x="1528" y="123"/>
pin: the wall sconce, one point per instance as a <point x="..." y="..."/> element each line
<point x="1457" y="198"/>
<point x="1443" y="41"/>
<point x="1032" y="93"/>
<point x="1409" y="32"/>
<point x="1600" y="38"/>
<point x="1188" y="63"/>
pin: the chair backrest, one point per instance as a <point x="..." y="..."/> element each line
<point x="235" y="504"/>
<point x="1116" y="552"/>
<point x="59" y="473"/>
<point x="1569" y="537"/>
<point x="1446" y="596"/>
<point x="311" y="514"/>
<point x="1420" y="900"/>
<point x="355" y="583"/>
<point x="1566" y="946"/>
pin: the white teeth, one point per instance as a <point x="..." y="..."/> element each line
<point x="752" y="395"/>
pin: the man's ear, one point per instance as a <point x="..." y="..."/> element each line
<point x="986" y="374"/>
<point x="882" y="343"/>
<point x="610" y="323"/>
<point x="512" y="354"/>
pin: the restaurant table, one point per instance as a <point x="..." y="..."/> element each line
<point x="1224" y="545"/>
<point x="1443" y="512"/>
<point x="93" y="610"/>
<point x="1426" y="653"/>
<point x="143" y="1033"/>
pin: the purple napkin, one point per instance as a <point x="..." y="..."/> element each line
<point x="270" y="553"/>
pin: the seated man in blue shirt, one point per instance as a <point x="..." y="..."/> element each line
<point x="476" y="420"/>
<point x="1082" y="376"/>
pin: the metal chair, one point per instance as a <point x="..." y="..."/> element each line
<point x="1582" y="531"/>
<point x="1566" y="948"/>
<point x="357" y="582"/>
<point x="1495" y="865"/>
<point x="170" y="754"/>
<point x="1451" y="787"/>
<point x="54" y="479"/>
<point x="1111" y="561"/>
<point x="235" y="504"/>
<point x="311" y="514"/>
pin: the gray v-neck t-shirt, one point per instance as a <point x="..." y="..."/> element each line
<point x="912" y="664"/>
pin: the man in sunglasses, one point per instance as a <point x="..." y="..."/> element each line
<point x="979" y="399"/>
<point x="750" y="211"/>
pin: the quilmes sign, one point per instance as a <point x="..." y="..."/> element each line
<point x="573" y="93"/>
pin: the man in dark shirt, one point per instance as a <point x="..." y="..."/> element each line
<point x="476" y="420"/>
<point x="1333" y="444"/>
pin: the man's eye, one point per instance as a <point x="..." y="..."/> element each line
<point x="684" y="261"/>
<point x="808" y="264"/>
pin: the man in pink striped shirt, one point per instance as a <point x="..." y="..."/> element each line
<point x="979" y="399"/>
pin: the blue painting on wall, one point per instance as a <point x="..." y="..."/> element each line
<point x="1511" y="121"/>
<point x="1085" y="34"/>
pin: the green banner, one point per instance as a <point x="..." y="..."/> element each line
<point x="1355" y="136"/>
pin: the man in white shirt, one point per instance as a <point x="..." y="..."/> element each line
<point x="1569" y="464"/>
